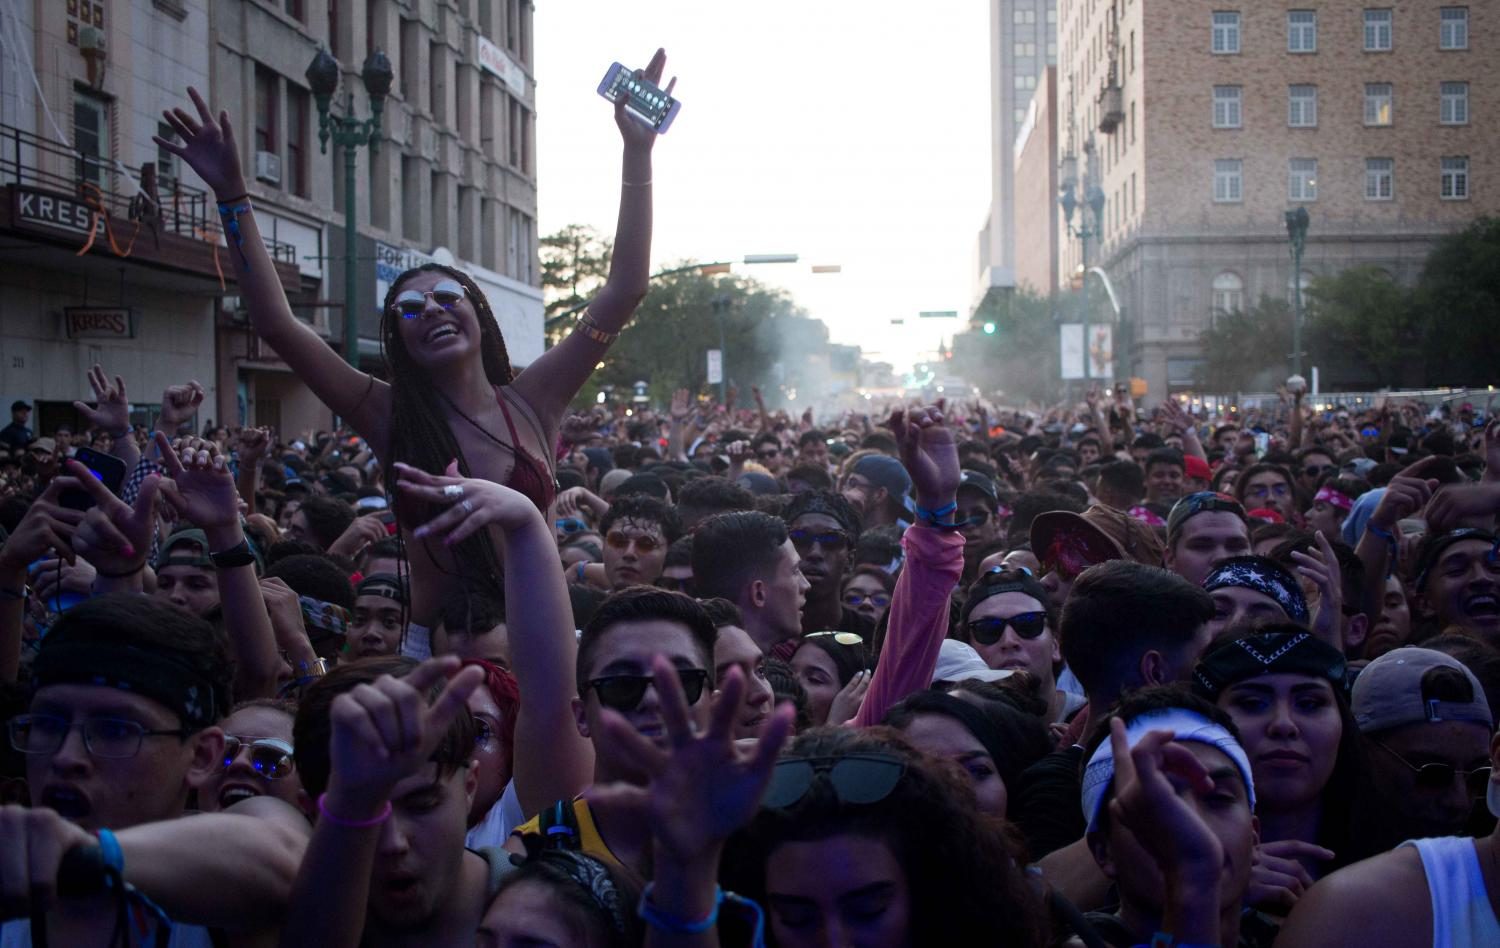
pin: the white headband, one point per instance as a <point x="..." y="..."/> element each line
<point x="1185" y="725"/>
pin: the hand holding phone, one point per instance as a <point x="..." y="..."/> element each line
<point x="106" y="467"/>
<point x="644" y="100"/>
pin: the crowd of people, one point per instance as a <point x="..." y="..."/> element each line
<point x="473" y="668"/>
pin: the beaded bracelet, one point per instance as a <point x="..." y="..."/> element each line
<point x="591" y="329"/>
<point x="376" y="820"/>
<point x="110" y="851"/>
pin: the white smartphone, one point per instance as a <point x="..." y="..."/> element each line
<point x="643" y="99"/>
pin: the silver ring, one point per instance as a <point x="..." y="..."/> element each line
<point x="468" y="506"/>
<point x="453" y="491"/>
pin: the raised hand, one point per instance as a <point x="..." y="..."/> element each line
<point x="703" y="786"/>
<point x="111" y="411"/>
<point x="1278" y="877"/>
<point x="199" y="487"/>
<point x="1460" y="505"/>
<point x="252" y="445"/>
<point x="929" y="453"/>
<point x="47" y="526"/>
<point x="113" y="535"/>
<point x="363" y="532"/>
<point x="1147" y="803"/>
<point x="1404" y="497"/>
<point x="178" y="404"/>
<point x="636" y="133"/>
<point x="846" y="703"/>
<point x="679" y="407"/>
<point x="36" y="839"/>
<point x="1322" y="568"/>
<point x="386" y="731"/>
<point x="474" y="504"/>
<point x="285" y="610"/>
<point x="207" y="146"/>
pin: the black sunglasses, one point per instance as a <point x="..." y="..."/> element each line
<point x="988" y="631"/>
<point x="624" y="692"/>
<point x="1435" y="776"/>
<point x="1318" y="470"/>
<point x="828" y="539"/>
<point x="855" y="778"/>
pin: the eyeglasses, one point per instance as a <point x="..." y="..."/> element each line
<point x="1318" y="470"/>
<point x="832" y="540"/>
<point x="644" y="544"/>
<point x="768" y="454"/>
<point x="270" y="757"/>
<point x="842" y="638"/>
<point x="624" y="692"/>
<point x="854" y="599"/>
<point x="857" y="779"/>
<point x="1435" y="776"/>
<point x="410" y="303"/>
<point x="1280" y="489"/>
<point x="113" y="738"/>
<point x="989" y="630"/>
<point x="571" y="525"/>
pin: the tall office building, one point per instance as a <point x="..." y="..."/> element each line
<point x="1204" y="123"/>
<point x="1022" y="45"/>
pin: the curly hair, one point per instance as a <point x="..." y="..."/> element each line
<point x="962" y="871"/>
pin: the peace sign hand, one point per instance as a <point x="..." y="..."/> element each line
<point x="207" y="146"/>
<point x="385" y="731"/>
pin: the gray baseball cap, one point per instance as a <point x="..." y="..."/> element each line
<point x="1388" y="692"/>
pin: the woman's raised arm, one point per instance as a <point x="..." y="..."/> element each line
<point x="209" y="148"/>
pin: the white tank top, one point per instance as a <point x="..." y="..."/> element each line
<point x="1461" y="912"/>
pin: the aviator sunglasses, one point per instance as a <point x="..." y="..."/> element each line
<point x="410" y="303"/>
<point x="270" y="757"/>
<point x="1435" y="776"/>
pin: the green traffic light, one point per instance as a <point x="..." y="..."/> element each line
<point x="989" y="329"/>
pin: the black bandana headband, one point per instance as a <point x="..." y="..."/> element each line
<point x="382" y="584"/>
<point x="1264" y="576"/>
<point x="817" y="502"/>
<point x="1268" y="653"/>
<point x="153" y="675"/>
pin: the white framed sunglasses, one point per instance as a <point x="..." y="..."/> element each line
<point x="410" y="303"/>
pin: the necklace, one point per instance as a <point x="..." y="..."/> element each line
<point x="513" y="449"/>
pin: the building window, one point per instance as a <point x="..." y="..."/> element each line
<point x="1226" y="106"/>
<point x="265" y="109"/>
<point x="1301" y="31"/>
<point x="1025" y="49"/>
<point x="1302" y="179"/>
<point x="1453" y="28"/>
<point x="1377" y="31"/>
<point x="298" y="120"/>
<point x="293" y="9"/>
<point x="1025" y="83"/>
<point x="1228" y="181"/>
<point x="1454" y="107"/>
<point x="1302" y="107"/>
<point x="92" y="138"/>
<point x="1024" y="17"/>
<point x="1380" y="179"/>
<point x="1019" y="115"/>
<point x="1378" y="103"/>
<point x="1228" y="293"/>
<point x="166" y="162"/>
<point x="1226" y="33"/>
<point x="1455" y="179"/>
<point x="514" y="136"/>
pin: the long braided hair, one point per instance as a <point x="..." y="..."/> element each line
<point x="420" y="434"/>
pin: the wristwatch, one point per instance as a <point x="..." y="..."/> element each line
<point x="237" y="555"/>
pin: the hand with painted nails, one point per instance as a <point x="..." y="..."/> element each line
<point x="473" y="503"/>
<point x="114" y="536"/>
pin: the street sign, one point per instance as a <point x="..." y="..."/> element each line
<point x="715" y="367"/>
<point x="939" y="314"/>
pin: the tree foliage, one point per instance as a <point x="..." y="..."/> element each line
<point x="1362" y="329"/>
<point x="1247" y="351"/>
<point x="1021" y="357"/>
<point x="667" y="341"/>
<point x="1457" y="303"/>
<point x="575" y="264"/>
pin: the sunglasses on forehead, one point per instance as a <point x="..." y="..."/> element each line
<point x="856" y="779"/>
<point x="842" y="638"/>
<point x="989" y="630"/>
<point x="410" y="303"/>
<point x="624" y="692"/>
<point x="270" y="757"/>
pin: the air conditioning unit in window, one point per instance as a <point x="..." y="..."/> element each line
<point x="268" y="167"/>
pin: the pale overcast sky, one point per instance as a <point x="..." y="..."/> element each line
<point x="851" y="133"/>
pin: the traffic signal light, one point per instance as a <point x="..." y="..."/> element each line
<point x="989" y="329"/>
